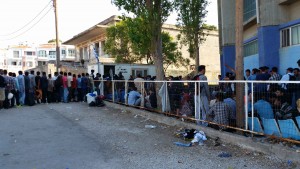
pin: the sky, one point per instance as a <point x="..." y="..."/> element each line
<point x="33" y="22"/>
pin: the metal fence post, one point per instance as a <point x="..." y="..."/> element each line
<point x="252" y="106"/>
<point x="246" y="105"/>
<point x="113" y="91"/>
<point x="126" y="92"/>
<point x="195" y="98"/>
<point x="142" y="94"/>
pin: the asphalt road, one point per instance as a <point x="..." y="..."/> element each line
<point x="75" y="136"/>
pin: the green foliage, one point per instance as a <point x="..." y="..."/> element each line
<point x="53" y="41"/>
<point x="191" y="14"/>
<point x="129" y="42"/>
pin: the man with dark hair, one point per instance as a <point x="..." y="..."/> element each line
<point x="220" y="112"/>
<point x="38" y="85"/>
<point x="274" y="74"/>
<point x="44" y="86"/>
<point x="247" y="74"/>
<point x="65" y="86"/>
<point x="70" y="80"/>
<point x="289" y="76"/>
<point x="2" y="89"/>
<point x="15" y="91"/>
<point x="202" y="96"/>
<point x="21" y="88"/>
<point x="9" y="87"/>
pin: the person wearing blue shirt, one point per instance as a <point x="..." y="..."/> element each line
<point x="263" y="109"/>
<point x="134" y="97"/>
<point x="232" y="105"/>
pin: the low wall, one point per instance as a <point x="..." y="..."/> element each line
<point x="282" y="152"/>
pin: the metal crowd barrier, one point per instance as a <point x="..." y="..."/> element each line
<point x="264" y="103"/>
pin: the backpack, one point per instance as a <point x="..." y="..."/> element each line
<point x="291" y="86"/>
<point x="2" y="82"/>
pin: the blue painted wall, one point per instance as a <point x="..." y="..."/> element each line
<point x="288" y="58"/>
<point x="228" y="58"/>
<point x="251" y="62"/>
<point x="268" y="46"/>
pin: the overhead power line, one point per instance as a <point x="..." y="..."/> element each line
<point x="29" y="27"/>
<point x="14" y="32"/>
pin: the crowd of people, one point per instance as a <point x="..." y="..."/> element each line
<point x="209" y="103"/>
<point x="217" y="103"/>
<point x="30" y="88"/>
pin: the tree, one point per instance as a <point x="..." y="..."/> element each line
<point x="154" y="12"/>
<point x="129" y="42"/>
<point x="191" y="14"/>
<point x="54" y="41"/>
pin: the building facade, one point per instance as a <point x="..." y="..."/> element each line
<point x="25" y="57"/>
<point x="95" y="37"/>
<point x="271" y="33"/>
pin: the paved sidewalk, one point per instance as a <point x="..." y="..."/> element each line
<point x="75" y="136"/>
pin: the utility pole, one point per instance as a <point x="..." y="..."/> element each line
<point x="57" y="37"/>
<point x="239" y="29"/>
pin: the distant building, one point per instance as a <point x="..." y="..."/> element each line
<point x="96" y="35"/>
<point x="25" y="57"/>
<point x="271" y="33"/>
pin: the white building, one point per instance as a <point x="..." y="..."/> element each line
<point x="23" y="57"/>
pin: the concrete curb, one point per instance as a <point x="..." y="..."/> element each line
<point x="283" y="153"/>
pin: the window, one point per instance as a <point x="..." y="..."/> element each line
<point x="63" y="52"/>
<point x="14" y="63"/>
<point x="296" y="35"/>
<point x="16" y="54"/>
<point x="249" y="9"/>
<point x="42" y="53"/>
<point x="290" y="36"/>
<point x="29" y="53"/>
<point x="52" y="52"/>
<point x="285" y="37"/>
<point x="251" y="48"/>
<point x="142" y="72"/>
<point x="71" y="52"/>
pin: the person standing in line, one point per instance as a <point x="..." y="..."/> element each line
<point x="50" y="89"/>
<point x="65" y="86"/>
<point x="70" y="80"/>
<point x="79" y="89"/>
<point x="27" y="88"/>
<point x="84" y="86"/>
<point x="74" y="92"/>
<point x="202" y="100"/>
<point x="44" y="87"/>
<point x="38" y="87"/>
<point x="32" y="84"/>
<point x="16" y="91"/>
<point x="9" y="87"/>
<point x="2" y="89"/>
<point x="21" y="82"/>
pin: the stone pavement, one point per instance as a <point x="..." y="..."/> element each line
<point x="75" y="136"/>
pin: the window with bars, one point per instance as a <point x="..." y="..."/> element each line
<point x="251" y="48"/>
<point x="249" y="9"/>
<point x="290" y="36"/>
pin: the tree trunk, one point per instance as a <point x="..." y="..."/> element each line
<point x="240" y="112"/>
<point x="197" y="53"/>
